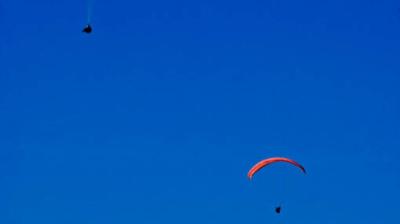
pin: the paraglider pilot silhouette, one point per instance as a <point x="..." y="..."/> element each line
<point x="269" y="161"/>
<point x="87" y="29"/>
<point x="278" y="209"/>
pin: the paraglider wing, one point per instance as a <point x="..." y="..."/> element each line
<point x="266" y="162"/>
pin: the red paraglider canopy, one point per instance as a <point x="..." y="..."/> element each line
<point x="268" y="161"/>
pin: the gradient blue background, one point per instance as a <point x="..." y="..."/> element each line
<point x="157" y="116"/>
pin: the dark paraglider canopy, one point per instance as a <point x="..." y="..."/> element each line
<point x="87" y="29"/>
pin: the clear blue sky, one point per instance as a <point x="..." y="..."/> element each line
<point x="158" y="114"/>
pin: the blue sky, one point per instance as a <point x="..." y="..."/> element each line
<point x="157" y="116"/>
